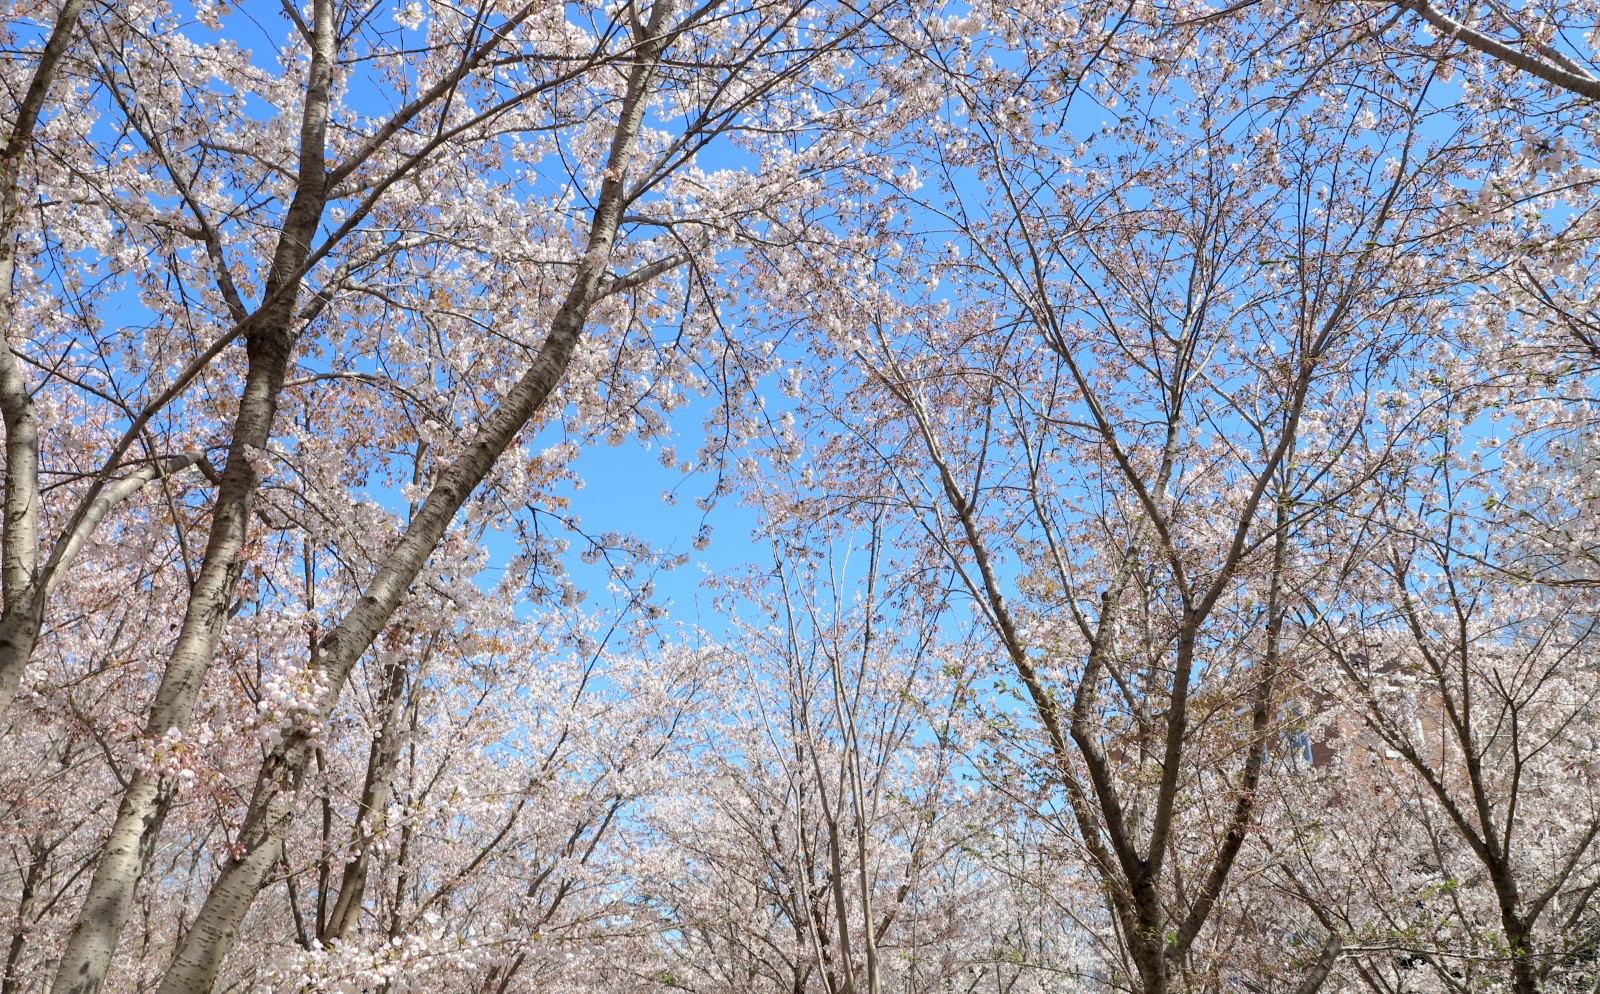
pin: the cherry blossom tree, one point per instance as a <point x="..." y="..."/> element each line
<point x="836" y="840"/>
<point x="407" y="258"/>
<point x="1459" y="679"/>
<point x="1107" y="387"/>
<point x="1153" y="602"/>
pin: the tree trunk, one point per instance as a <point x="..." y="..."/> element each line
<point x="11" y="979"/>
<point x="260" y="841"/>
<point x="269" y="341"/>
<point x="19" y="542"/>
<point x="374" y="799"/>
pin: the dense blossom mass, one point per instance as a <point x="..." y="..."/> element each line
<point x="1109" y="499"/>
